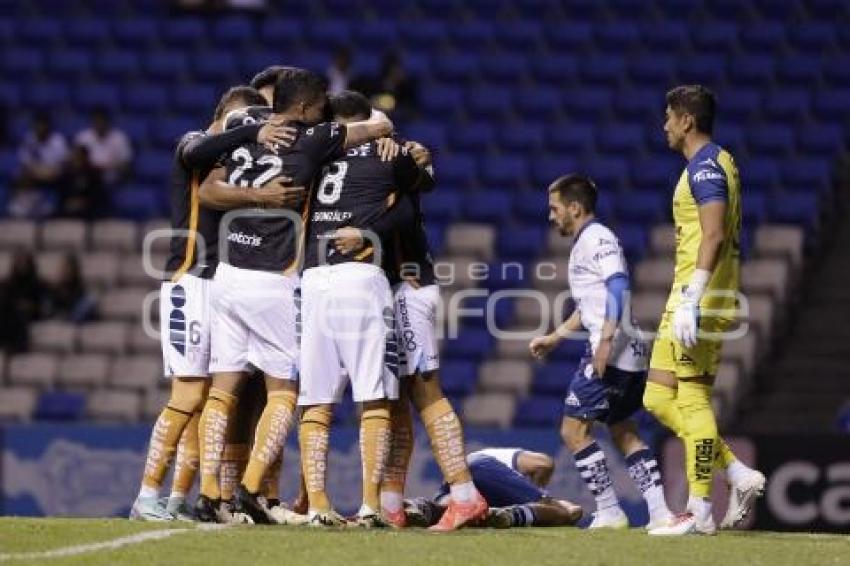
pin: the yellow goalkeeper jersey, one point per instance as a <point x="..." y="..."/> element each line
<point x="710" y="175"/>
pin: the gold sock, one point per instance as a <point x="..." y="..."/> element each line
<point x="401" y="447"/>
<point x="188" y="458"/>
<point x="446" y="434"/>
<point x="269" y="437"/>
<point x="271" y="483"/>
<point x="660" y="400"/>
<point x="163" y="444"/>
<point x="374" y="445"/>
<point x="212" y="434"/>
<point x="233" y="460"/>
<point x="701" y="440"/>
<point x="313" y="437"/>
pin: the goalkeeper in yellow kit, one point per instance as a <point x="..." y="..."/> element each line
<point x="701" y="309"/>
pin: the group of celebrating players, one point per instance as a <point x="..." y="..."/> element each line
<point x="299" y="263"/>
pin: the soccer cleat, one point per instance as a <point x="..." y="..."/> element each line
<point x="368" y="518"/>
<point x="420" y="512"/>
<point x="247" y="503"/>
<point x="328" y="518"/>
<point x="459" y="515"/>
<point x="742" y="498"/>
<point x="686" y="524"/>
<point x="181" y="510"/>
<point x="149" y="509"/>
<point x="499" y="518"/>
<point x="609" y="519"/>
<point x="657" y="522"/>
<point x="280" y="514"/>
<point x="397" y="519"/>
<point x="207" y="510"/>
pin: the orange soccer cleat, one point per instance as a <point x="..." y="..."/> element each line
<point x="459" y="515"/>
<point x="397" y="520"/>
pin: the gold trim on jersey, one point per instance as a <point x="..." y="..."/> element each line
<point x="189" y="255"/>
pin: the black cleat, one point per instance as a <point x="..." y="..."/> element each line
<point x="206" y="509"/>
<point x="249" y="503"/>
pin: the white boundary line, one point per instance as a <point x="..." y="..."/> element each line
<point x="119" y="542"/>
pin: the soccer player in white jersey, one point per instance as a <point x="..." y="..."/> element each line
<point x="609" y="383"/>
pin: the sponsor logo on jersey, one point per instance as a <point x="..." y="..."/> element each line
<point x="707" y="175"/>
<point x="602" y="255"/>
<point x="244" y="239"/>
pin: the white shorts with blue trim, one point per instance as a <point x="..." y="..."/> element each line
<point x="184" y="318"/>
<point x="416" y="323"/>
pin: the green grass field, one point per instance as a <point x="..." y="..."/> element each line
<point x="248" y="546"/>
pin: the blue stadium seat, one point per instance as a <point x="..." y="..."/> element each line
<point x="146" y="98"/>
<point x="137" y="129"/>
<point x="443" y="205"/>
<point x="86" y="31"/>
<point x="10" y="94"/>
<point x="60" y="406"/>
<point x="508" y="171"/>
<point x="647" y="207"/>
<point x="572" y="139"/>
<point x="766" y="37"/>
<point x="153" y="166"/>
<point x="442" y="101"/>
<point x="139" y="203"/>
<point x="538" y="103"/>
<point x="657" y="174"/>
<point x="22" y="62"/>
<point x="812" y="36"/>
<point x="569" y="350"/>
<point x="633" y="238"/>
<point x="116" y="64"/>
<point x="714" y="36"/>
<point x="164" y="65"/>
<point x="771" y="139"/>
<point x="184" y="31"/>
<point x="168" y="131"/>
<point x="503" y="68"/>
<point x="282" y="33"/>
<point x="617" y="36"/>
<point x="836" y="72"/>
<point x="473" y="136"/>
<point x="470" y="344"/>
<point x="741" y="103"/>
<point x="507" y="273"/>
<point x="539" y="412"/>
<point x="458" y="378"/>
<point x="620" y="139"/>
<point x="48" y="95"/>
<point x="487" y="206"/>
<point x="568" y="36"/>
<point x="426" y="34"/>
<point x="588" y="104"/>
<point x="755" y="70"/>
<point x="474" y="34"/>
<point x="610" y="174"/>
<point x="753" y="208"/>
<point x="436" y="234"/>
<point x="800" y="70"/>
<point x="828" y="104"/>
<point x="544" y="170"/>
<point x="652" y="68"/>
<point x="808" y="173"/>
<point x="664" y="36"/>
<point x="376" y="34"/>
<point x="532" y="206"/>
<point x="490" y="103"/>
<point x="787" y="105"/>
<point x="759" y="174"/>
<point x="821" y="139"/>
<point x="553" y="378"/>
<point x="519" y="34"/>
<point x="603" y="69"/>
<point x="91" y="95"/>
<point x="522" y="137"/>
<point x="215" y="65"/>
<point x="69" y="63"/>
<point x="39" y="31"/>
<point x="704" y="69"/>
<point x="430" y="134"/>
<point x="800" y="207"/>
<point x="136" y="32"/>
<point x="459" y="170"/>
<point x="730" y="135"/>
<point x="233" y="31"/>
<point x="555" y="69"/>
<point x="522" y="242"/>
<point x="639" y="104"/>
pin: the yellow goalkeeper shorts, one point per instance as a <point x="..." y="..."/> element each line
<point x="668" y="354"/>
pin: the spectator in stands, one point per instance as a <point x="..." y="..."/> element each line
<point x="81" y="192"/>
<point x="109" y="148"/>
<point x="339" y="73"/>
<point x="42" y="157"/>
<point x="67" y="298"/>
<point x="21" y="302"/>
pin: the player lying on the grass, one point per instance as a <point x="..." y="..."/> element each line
<point x="184" y="299"/>
<point x="702" y="306"/>
<point x="409" y="266"/>
<point x="609" y="383"/>
<point x="512" y="480"/>
<point x="254" y="308"/>
<point x="347" y="312"/>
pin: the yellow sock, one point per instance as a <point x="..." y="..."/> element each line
<point x="271" y="483"/>
<point x="701" y="440"/>
<point x="212" y="434"/>
<point x="446" y="435"/>
<point x="660" y="400"/>
<point x="163" y="444"/>
<point x="313" y="437"/>
<point x="233" y="461"/>
<point x="374" y="446"/>
<point x="401" y="447"/>
<point x="188" y="458"/>
<point x="269" y="437"/>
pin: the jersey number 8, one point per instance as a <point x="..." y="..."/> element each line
<point x="331" y="187"/>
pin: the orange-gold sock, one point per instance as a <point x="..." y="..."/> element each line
<point x="313" y="435"/>
<point x="446" y="434"/>
<point x="212" y="434"/>
<point x="187" y="460"/>
<point x="271" y="483"/>
<point x="163" y="444"/>
<point x="233" y="461"/>
<point x="269" y="437"/>
<point x="374" y="446"/>
<point x="398" y="461"/>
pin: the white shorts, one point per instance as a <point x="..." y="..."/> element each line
<point x="416" y="323"/>
<point x="253" y="322"/>
<point x="184" y="319"/>
<point x="348" y="332"/>
<point x="507" y="456"/>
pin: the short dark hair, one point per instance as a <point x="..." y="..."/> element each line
<point x="696" y="100"/>
<point x="575" y="187"/>
<point x="269" y="76"/>
<point x="351" y="104"/>
<point x="298" y="85"/>
<point x="249" y="96"/>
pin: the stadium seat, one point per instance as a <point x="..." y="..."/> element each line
<point x="141" y="342"/>
<point x="17" y="404"/>
<point x="743" y="350"/>
<point x="474" y="137"/>
<point x="50" y="265"/>
<point x="558" y="245"/>
<point x="457" y="377"/>
<point x="137" y="33"/>
<point x="183" y="31"/>
<point x="60" y="406"/>
<point x="709" y="69"/>
<point x="457" y="170"/>
<point x="520" y="243"/>
<point x="647" y="308"/>
<point x="489" y="409"/>
<point x="87" y="31"/>
<point x="108" y="337"/>
<point x="470" y="343"/>
<point x="99" y="269"/>
<point x="5" y="264"/>
<point x="136" y="372"/>
<point x="111" y="405"/>
<point x="476" y="240"/>
<point x="17" y="234"/>
<point x="651" y="69"/>
<point x="796" y="208"/>
<point x="116" y="235"/>
<point x="760" y="312"/>
<point x="549" y="273"/>
<point x="728" y="383"/>
<point x="509" y="376"/>
<point x="768" y="276"/>
<point x="568" y="37"/>
<point x="38" y="370"/>
<point x="53" y="336"/>
<point x="117" y="65"/>
<point x="125" y="303"/>
<point x="153" y="401"/>
<point x="539" y="412"/>
<point x="654" y="274"/>
<point x="781" y="241"/>
<point x="553" y="378"/>
<point x="134" y="271"/>
<point x="64" y="235"/>
<point x="487" y="206"/>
